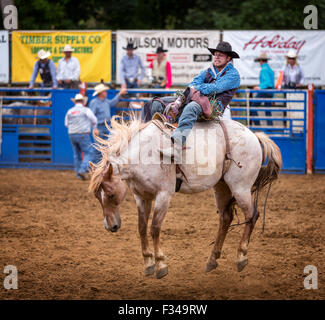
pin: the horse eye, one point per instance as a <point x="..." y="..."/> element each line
<point x="111" y="197"/>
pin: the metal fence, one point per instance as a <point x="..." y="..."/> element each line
<point x="34" y="135"/>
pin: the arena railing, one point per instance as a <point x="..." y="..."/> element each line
<point x="26" y="119"/>
<point x="287" y="118"/>
<point x="287" y="108"/>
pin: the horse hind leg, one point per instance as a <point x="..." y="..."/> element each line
<point x="161" y="206"/>
<point x="245" y="202"/>
<point x="144" y="208"/>
<point x="225" y="206"/>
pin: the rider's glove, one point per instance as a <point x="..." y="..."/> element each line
<point x="173" y="108"/>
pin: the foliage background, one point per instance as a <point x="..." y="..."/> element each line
<point x="165" y="14"/>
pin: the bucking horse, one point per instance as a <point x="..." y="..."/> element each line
<point x="229" y="158"/>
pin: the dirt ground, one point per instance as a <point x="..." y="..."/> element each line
<point x="52" y="230"/>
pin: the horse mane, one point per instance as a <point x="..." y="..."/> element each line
<point x="121" y="133"/>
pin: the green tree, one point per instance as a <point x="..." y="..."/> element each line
<point x="165" y="14"/>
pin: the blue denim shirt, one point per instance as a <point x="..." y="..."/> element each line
<point x="130" y="68"/>
<point x="228" y="79"/>
<point x="266" y="77"/>
<point x="102" y="109"/>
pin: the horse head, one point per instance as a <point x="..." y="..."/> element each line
<point x="110" y="193"/>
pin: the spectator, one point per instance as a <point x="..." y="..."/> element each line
<point x="68" y="70"/>
<point x="293" y="76"/>
<point x="101" y="107"/>
<point x="266" y="82"/>
<point x="161" y="70"/>
<point x="79" y="120"/>
<point x="129" y="70"/>
<point x="47" y="70"/>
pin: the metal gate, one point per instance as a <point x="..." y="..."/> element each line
<point x="282" y="116"/>
<point x="319" y="131"/>
<point x="26" y="129"/>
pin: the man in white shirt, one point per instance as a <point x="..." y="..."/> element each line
<point x="80" y="120"/>
<point x="68" y="72"/>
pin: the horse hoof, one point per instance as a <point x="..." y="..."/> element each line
<point x="149" y="270"/>
<point x="210" y="266"/>
<point x="241" y="265"/>
<point x="161" y="273"/>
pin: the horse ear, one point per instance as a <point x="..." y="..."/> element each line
<point x="91" y="166"/>
<point x="109" y="172"/>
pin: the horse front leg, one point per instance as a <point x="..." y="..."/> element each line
<point x="144" y="208"/>
<point x="161" y="206"/>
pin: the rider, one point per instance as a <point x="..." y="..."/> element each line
<point x="206" y="98"/>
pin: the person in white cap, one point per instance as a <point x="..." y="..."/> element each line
<point x="101" y="107"/>
<point x="293" y="75"/>
<point x="47" y="70"/>
<point x="68" y="70"/>
<point x="80" y="120"/>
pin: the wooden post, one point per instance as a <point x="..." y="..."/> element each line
<point x="310" y="129"/>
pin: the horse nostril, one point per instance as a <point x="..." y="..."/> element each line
<point x="114" y="228"/>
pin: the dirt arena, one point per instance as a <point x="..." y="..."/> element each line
<point x="52" y="230"/>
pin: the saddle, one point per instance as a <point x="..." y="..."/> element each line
<point x="167" y="128"/>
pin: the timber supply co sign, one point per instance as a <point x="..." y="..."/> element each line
<point x="91" y="48"/>
<point x="187" y="50"/>
<point x="4" y="54"/>
<point x="309" y="45"/>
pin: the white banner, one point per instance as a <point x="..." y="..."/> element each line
<point x="310" y="46"/>
<point x="4" y="54"/>
<point x="187" y="50"/>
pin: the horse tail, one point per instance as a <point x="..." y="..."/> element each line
<point x="269" y="172"/>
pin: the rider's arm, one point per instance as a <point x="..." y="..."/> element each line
<point x="230" y="80"/>
<point x="198" y="80"/>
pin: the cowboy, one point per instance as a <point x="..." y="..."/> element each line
<point x="68" y="70"/>
<point x="205" y="99"/>
<point x="293" y="75"/>
<point x="101" y="107"/>
<point x="47" y="70"/>
<point x="266" y="82"/>
<point x="80" y="120"/>
<point x="161" y="71"/>
<point x="129" y="70"/>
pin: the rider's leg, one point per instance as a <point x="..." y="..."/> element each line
<point x="157" y="107"/>
<point x="186" y="122"/>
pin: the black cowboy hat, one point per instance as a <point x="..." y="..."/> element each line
<point x="130" y="46"/>
<point x="160" y="50"/>
<point x="225" y="47"/>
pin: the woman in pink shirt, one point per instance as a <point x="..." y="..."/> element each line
<point x="161" y="70"/>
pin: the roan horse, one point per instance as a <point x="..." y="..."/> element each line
<point x="131" y="153"/>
